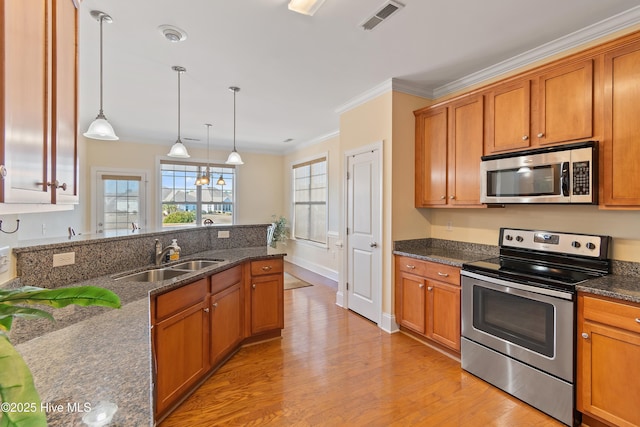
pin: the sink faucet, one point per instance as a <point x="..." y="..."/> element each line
<point x="160" y="253"/>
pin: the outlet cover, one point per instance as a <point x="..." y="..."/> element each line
<point x="4" y="259"/>
<point x="223" y="234"/>
<point x="67" y="258"/>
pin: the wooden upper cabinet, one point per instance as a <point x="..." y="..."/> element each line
<point x="466" y="137"/>
<point x="431" y="157"/>
<point x="508" y="120"/>
<point x="565" y="104"/>
<point x="621" y="146"/>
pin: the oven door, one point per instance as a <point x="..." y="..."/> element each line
<point x="530" y="324"/>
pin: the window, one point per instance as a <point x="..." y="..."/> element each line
<point x="185" y="203"/>
<point x="120" y="201"/>
<point x="310" y="200"/>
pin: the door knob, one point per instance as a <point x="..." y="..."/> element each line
<point x="373" y="245"/>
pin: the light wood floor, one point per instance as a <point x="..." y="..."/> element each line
<point x="334" y="368"/>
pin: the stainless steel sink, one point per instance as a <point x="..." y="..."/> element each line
<point x="196" y="264"/>
<point x="154" y="275"/>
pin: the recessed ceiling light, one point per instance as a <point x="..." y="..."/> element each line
<point x="305" y="7"/>
<point x="172" y="33"/>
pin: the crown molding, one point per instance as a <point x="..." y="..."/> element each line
<point x="577" y="38"/>
<point x="367" y="96"/>
<point x="311" y="142"/>
<point x="409" y="88"/>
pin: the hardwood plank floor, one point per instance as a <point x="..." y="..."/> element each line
<point x="334" y="368"/>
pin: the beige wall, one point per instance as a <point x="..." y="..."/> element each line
<point x="259" y="191"/>
<point x="325" y="260"/>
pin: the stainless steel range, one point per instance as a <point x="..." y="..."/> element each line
<point x="519" y="315"/>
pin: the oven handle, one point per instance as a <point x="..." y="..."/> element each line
<point x="520" y="286"/>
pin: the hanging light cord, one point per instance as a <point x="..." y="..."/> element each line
<point x="101" y="113"/>
<point x="234" y="118"/>
<point x="179" y="72"/>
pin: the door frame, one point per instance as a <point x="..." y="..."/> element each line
<point x="342" y="295"/>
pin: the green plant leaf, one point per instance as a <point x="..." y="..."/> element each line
<point x="8" y="312"/>
<point x="17" y="389"/>
<point x="61" y="297"/>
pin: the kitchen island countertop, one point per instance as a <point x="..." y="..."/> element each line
<point x="93" y="354"/>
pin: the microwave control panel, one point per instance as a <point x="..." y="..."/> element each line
<point x="581" y="179"/>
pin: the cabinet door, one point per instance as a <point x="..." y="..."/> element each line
<point x="266" y="302"/>
<point x="226" y="322"/>
<point x="565" y="104"/>
<point x="181" y="353"/>
<point x="509" y="117"/>
<point x="25" y="85"/>
<point x="621" y="127"/>
<point x="431" y="157"/>
<point x="610" y="359"/>
<point x="64" y="126"/>
<point x="412" y="299"/>
<point x="465" y="150"/>
<point x="443" y="316"/>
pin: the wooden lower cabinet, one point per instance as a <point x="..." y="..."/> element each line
<point x="427" y="306"/>
<point x="608" y="360"/>
<point x="181" y="345"/>
<point x="198" y="326"/>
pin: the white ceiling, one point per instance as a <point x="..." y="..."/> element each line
<point x="295" y="72"/>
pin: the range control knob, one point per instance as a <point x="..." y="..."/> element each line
<point x="519" y="239"/>
<point x="575" y="244"/>
<point x="508" y="237"/>
<point x="591" y="246"/>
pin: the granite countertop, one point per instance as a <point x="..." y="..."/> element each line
<point x="444" y="251"/>
<point x="93" y="354"/>
<point x="626" y="288"/>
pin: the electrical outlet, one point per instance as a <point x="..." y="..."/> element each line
<point x="67" y="258"/>
<point x="4" y="259"/>
<point x="223" y="234"/>
<point x="449" y="226"/>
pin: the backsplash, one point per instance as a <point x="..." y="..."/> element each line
<point x="99" y="257"/>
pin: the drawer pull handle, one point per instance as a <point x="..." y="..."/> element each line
<point x="443" y="274"/>
<point x="266" y="268"/>
<point x="411" y="266"/>
<point x="585" y="335"/>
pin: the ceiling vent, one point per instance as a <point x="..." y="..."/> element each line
<point x="387" y="9"/>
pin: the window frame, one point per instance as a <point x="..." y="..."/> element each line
<point x="318" y="158"/>
<point x="199" y="202"/>
<point x="97" y="196"/>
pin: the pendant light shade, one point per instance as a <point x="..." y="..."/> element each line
<point x="204" y="178"/>
<point x="100" y="128"/>
<point x="234" y="158"/>
<point x="178" y="149"/>
<point x="221" y="181"/>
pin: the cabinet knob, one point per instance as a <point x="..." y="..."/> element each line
<point x="637" y="319"/>
<point x="253" y="286"/>
<point x="541" y="135"/>
<point x="411" y="266"/>
<point x="430" y="288"/>
<point x="525" y="137"/>
<point x="214" y="305"/>
<point x="206" y="310"/>
<point x="266" y="268"/>
<point x="585" y="335"/>
<point x="443" y="197"/>
<point x="452" y="197"/>
<point x="443" y="274"/>
<point x="421" y="285"/>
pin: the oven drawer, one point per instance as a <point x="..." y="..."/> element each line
<point x="622" y="315"/>
<point x="430" y="270"/>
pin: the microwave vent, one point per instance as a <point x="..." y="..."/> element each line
<point x="388" y="9"/>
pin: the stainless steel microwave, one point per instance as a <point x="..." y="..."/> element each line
<point x="558" y="174"/>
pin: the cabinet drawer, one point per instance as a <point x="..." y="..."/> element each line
<point x="178" y="299"/>
<point x="430" y="270"/>
<point x="618" y="314"/>
<point x="266" y="266"/>
<point x="224" y="279"/>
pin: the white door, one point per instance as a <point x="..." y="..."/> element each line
<point x="364" y="259"/>
<point x="120" y="201"/>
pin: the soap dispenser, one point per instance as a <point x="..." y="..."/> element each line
<point x="174" y="254"/>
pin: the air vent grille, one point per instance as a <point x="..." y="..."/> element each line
<point x="388" y="9"/>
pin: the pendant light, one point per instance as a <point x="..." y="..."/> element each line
<point x="204" y="178"/>
<point x="178" y="149"/>
<point x="221" y="181"/>
<point x="234" y="158"/>
<point x="100" y="128"/>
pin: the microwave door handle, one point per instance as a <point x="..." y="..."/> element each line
<point x="564" y="179"/>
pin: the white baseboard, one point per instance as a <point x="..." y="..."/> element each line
<point x="340" y="299"/>
<point x="316" y="268"/>
<point x="388" y="323"/>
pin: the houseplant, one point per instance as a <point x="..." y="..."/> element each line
<point x="278" y="230"/>
<point x="20" y="402"/>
